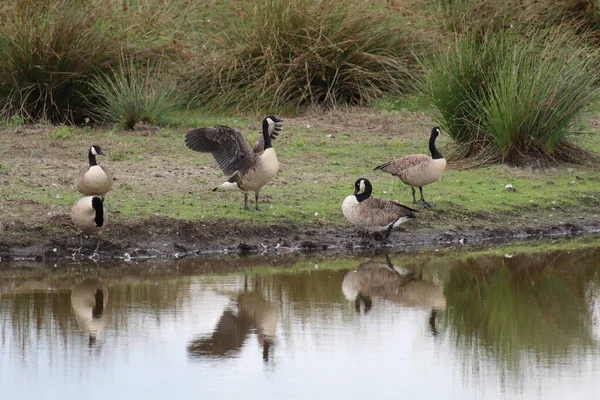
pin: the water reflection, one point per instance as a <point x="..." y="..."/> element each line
<point x="386" y="281"/>
<point x="89" y="300"/>
<point x="254" y="314"/>
<point x="522" y="309"/>
<point x="516" y="326"/>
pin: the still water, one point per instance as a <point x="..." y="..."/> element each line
<point x="506" y="325"/>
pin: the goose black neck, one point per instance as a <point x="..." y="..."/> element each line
<point x="98" y="309"/>
<point x="266" y="136"/>
<point x="98" y="206"/>
<point x="92" y="158"/>
<point x="435" y="154"/>
<point x="364" y="195"/>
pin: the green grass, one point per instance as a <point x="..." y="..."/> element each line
<point x="60" y="132"/>
<point x="158" y="175"/>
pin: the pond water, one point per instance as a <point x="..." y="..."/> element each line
<point x="506" y="325"/>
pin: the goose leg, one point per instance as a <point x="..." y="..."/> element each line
<point x="413" y="193"/>
<point x="256" y="199"/>
<point x="388" y="231"/>
<point x="422" y="201"/>
<point x="245" y="200"/>
<point x="80" y="242"/>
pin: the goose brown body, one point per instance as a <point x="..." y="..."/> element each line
<point x="250" y="168"/>
<point x="89" y="214"/>
<point x="94" y="179"/>
<point x="371" y="213"/>
<point x="418" y="170"/>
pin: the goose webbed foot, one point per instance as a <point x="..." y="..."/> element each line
<point x="425" y="204"/>
<point x="422" y="202"/>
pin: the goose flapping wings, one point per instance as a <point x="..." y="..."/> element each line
<point x="228" y="146"/>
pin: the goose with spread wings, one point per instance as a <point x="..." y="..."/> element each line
<point x="250" y="168"/>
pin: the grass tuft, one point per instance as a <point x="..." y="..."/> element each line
<point x="47" y="51"/>
<point x="285" y="54"/>
<point x="512" y="96"/>
<point x="131" y="94"/>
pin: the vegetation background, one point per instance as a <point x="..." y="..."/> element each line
<point x="513" y="84"/>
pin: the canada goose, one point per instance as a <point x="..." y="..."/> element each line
<point x="418" y="169"/>
<point x="384" y="280"/>
<point x="89" y="216"/>
<point x="88" y="300"/>
<point x="94" y="179"/>
<point x="251" y="168"/>
<point x="371" y="213"/>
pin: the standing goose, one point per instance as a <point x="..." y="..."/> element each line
<point x="371" y="213"/>
<point x="94" y="179"/>
<point x="418" y="169"/>
<point x="89" y="216"/>
<point x="251" y="169"/>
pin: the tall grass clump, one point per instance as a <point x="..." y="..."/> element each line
<point x="132" y="93"/>
<point x="290" y="53"/>
<point x="512" y="96"/>
<point x="48" y="49"/>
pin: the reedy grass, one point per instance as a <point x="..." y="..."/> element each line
<point x="131" y="93"/>
<point x="512" y="96"/>
<point x="47" y="51"/>
<point x="50" y="50"/>
<point x="286" y="54"/>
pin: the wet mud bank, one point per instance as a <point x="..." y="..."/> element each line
<point x="163" y="238"/>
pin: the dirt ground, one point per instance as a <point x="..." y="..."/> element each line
<point x="162" y="237"/>
<point x="32" y="228"/>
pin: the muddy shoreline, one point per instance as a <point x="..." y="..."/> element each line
<point x="169" y="238"/>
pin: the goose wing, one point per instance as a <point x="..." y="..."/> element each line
<point x="228" y="146"/>
<point x="384" y="212"/>
<point x="399" y="165"/>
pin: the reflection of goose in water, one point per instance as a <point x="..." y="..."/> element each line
<point x="384" y="280"/>
<point x="254" y="313"/>
<point x="89" y="299"/>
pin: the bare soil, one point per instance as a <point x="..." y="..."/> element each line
<point x="163" y="237"/>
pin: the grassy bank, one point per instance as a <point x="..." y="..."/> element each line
<point x="321" y="156"/>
